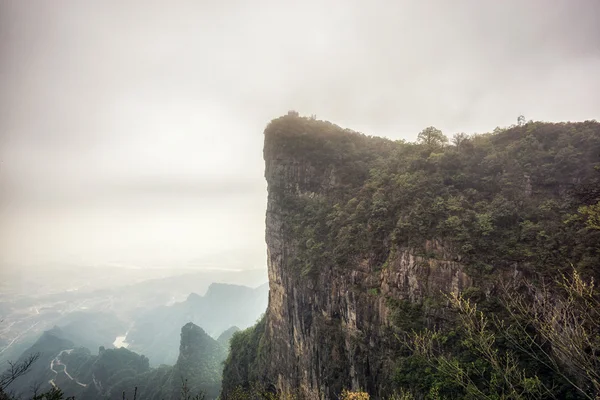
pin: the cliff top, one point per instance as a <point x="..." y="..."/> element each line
<point x="494" y="199"/>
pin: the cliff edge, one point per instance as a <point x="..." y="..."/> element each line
<point x="365" y="234"/>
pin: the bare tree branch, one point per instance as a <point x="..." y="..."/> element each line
<point x="17" y="369"/>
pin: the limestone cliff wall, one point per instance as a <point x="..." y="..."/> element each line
<point x="364" y="234"/>
<point x="333" y="331"/>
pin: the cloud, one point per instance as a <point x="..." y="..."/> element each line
<point x="112" y="106"/>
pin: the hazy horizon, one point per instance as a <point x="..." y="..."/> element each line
<point x="131" y="132"/>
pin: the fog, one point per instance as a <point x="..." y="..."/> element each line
<point x="131" y="131"/>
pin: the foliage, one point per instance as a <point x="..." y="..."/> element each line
<point x="492" y="374"/>
<point x="242" y="366"/>
<point x="16" y="370"/>
<point x="432" y="138"/>
<point x="348" y="395"/>
<point x="546" y="345"/>
<point x="524" y="199"/>
<point x="200" y="361"/>
<point x="402" y="395"/>
<point x="520" y="196"/>
<point x="565" y="316"/>
<point x="256" y="391"/>
<point x="406" y="316"/>
<point x="592" y="215"/>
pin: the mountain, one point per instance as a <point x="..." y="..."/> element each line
<point x="367" y="236"/>
<point x="226" y="336"/>
<point x="200" y="361"/>
<point x="50" y="344"/>
<point x="156" y="332"/>
<point x="91" y="329"/>
<point x="75" y="369"/>
<point x="111" y="372"/>
<point x="88" y="328"/>
<point x="104" y="295"/>
<point x="198" y="370"/>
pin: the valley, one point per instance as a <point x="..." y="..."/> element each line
<point x="25" y="316"/>
<point x="88" y="341"/>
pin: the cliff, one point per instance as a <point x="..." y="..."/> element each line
<point x="364" y="235"/>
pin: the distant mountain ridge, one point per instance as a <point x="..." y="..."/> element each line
<point x="26" y="316"/>
<point x="225" y="337"/>
<point x="78" y="357"/>
<point x="111" y="372"/>
<point x="48" y="346"/>
<point x="156" y="332"/>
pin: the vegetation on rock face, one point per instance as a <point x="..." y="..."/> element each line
<point x="519" y="202"/>
<point x="241" y="365"/>
<point x="348" y="395"/>
<point x="544" y="345"/>
<point x="521" y="196"/>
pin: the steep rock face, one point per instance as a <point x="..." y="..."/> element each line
<point x="327" y="334"/>
<point x="364" y="235"/>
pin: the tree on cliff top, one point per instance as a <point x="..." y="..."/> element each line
<point x="432" y="137"/>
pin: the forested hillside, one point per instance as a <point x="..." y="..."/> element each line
<point x="113" y="373"/>
<point x="398" y="268"/>
<point x="78" y="357"/>
<point x="495" y="199"/>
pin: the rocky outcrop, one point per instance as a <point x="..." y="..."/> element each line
<point x="364" y="235"/>
<point x="331" y="331"/>
<point x="200" y="358"/>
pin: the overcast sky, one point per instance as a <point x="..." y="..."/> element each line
<point x="131" y="131"/>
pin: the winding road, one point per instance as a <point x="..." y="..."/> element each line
<point x="56" y="361"/>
